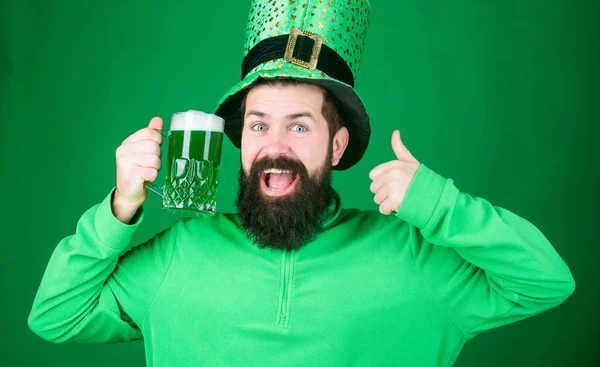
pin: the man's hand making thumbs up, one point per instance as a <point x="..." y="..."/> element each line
<point x="391" y="179"/>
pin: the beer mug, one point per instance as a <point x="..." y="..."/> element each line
<point x="193" y="162"/>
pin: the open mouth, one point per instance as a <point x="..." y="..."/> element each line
<point x="278" y="182"/>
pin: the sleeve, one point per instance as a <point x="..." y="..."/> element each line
<point x="92" y="274"/>
<point x="483" y="265"/>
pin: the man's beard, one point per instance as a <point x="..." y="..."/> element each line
<point x="290" y="221"/>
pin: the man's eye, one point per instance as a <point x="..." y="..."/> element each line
<point x="259" y="127"/>
<point x="299" y="128"/>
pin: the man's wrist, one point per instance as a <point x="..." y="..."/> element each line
<point x="422" y="197"/>
<point x="125" y="212"/>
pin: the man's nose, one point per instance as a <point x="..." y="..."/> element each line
<point x="277" y="144"/>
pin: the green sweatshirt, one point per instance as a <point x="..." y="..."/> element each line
<point x="371" y="290"/>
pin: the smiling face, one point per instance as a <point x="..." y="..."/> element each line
<point x="287" y="121"/>
<point x="287" y="151"/>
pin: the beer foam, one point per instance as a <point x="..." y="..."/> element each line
<point x="196" y="120"/>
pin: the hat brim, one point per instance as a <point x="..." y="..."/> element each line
<point x="352" y="110"/>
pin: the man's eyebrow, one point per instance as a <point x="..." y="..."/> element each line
<point x="294" y="116"/>
<point x="291" y="116"/>
<point x="256" y="113"/>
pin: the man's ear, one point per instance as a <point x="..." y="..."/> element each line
<point x="340" y="142"/>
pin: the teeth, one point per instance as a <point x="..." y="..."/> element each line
<point x="275" y="170"/>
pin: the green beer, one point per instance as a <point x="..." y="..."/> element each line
<point x="193" y="163"/>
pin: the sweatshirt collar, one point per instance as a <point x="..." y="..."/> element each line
<point x="333" y="212"/>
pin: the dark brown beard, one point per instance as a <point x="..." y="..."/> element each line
<point x="288" y="222"/>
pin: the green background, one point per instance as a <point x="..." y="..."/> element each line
<point x="499" y="95"/>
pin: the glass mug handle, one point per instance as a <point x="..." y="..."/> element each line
<point x="158" y="189"/>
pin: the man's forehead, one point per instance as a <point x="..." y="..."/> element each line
<point x="267" y="100"/>
<point x="306" y="93"/>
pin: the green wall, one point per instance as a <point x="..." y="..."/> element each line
<point x="499" y="95"/>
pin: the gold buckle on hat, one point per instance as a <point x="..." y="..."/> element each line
<point x="291" y="45"/>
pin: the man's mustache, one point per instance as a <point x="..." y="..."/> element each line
<point x="281" y="163"/>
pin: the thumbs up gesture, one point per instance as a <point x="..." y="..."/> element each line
<point x="391" y="179"/>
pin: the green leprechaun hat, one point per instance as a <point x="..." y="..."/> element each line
<point x="318" y="41"/>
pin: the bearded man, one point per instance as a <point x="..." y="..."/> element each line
<point x="293" y="277"/>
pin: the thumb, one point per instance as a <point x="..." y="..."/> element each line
<point x="400" y="149"/>
<point x="156" y="123"/>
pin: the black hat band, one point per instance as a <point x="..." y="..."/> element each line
<point x="300" y="48"/>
